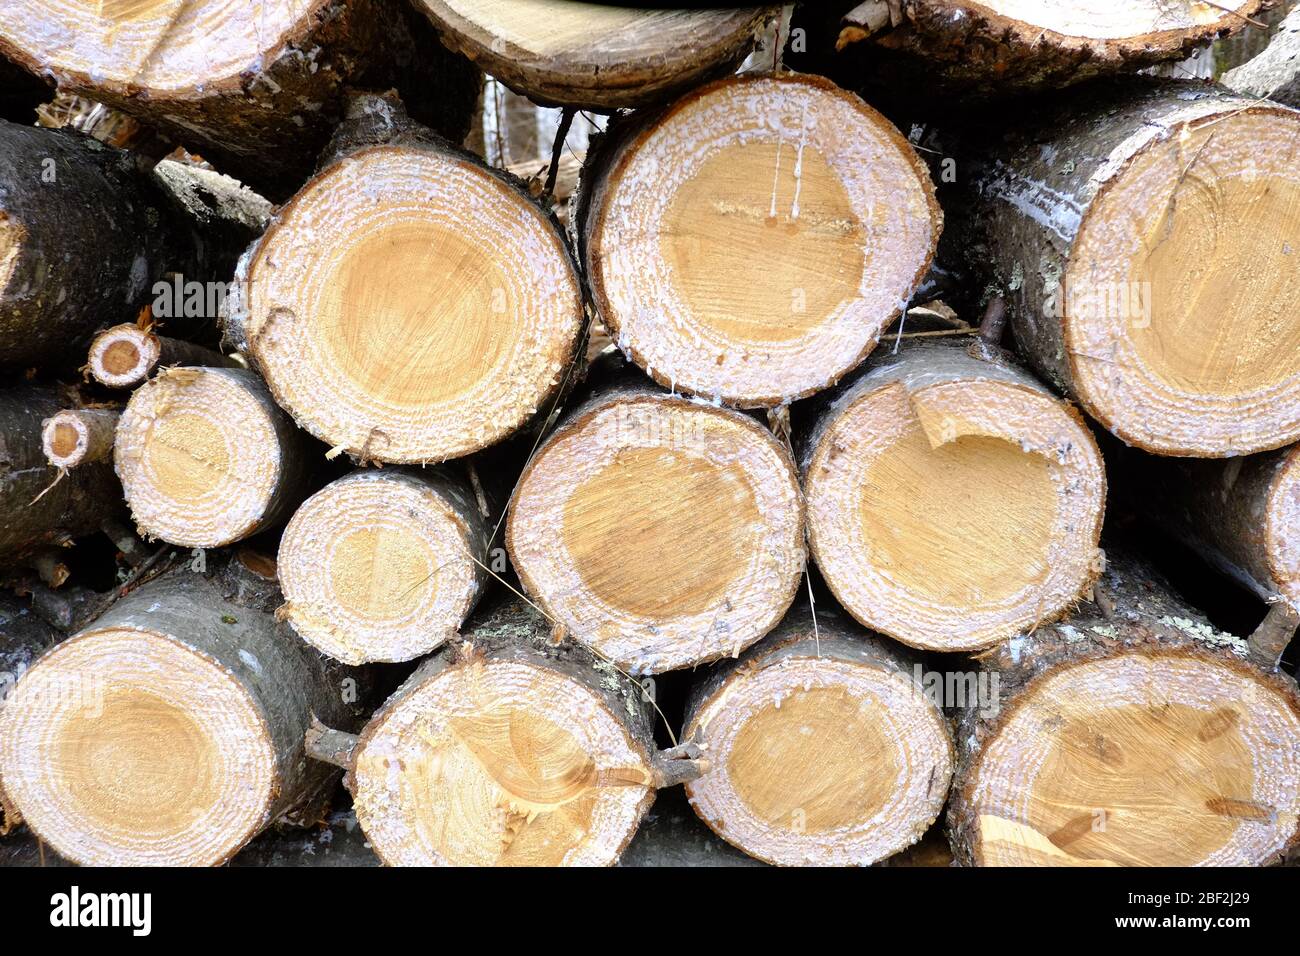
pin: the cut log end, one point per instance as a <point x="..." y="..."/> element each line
<point x="75" y="436"/>
<point x="1181" y="274"/>
<point x="502" y="763"/>
<point x="709" y="233"/>
<point x="834" y="759"/>
<point x="200" y="456"/>
<point x="1151" y="758"/>
<point x="660" y="532"/>
<point x="431" y="248"/>
<point x="123" y="356"/>
<point x="380" y="566"/>
<point x="957" y="514"/>
<point x="125" y="748"/>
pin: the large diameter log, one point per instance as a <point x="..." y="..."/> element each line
<point x="409" y="304"/>
<point x="1241" y="514"/>
<point x="661" y="532"/>
<point x="1146" y="242"/>
<point x="207" y="458"/>
<point x="255" y="88"/>
<point x="953" y="502"/>
<point x="170" y="732"/>
<point x="751" y="242"/>
<point x="596" y="56"/>
<point x="126" y="355"/>
<point x="509" y="749"/>
<point x="85" y="231"/>
<point x="384" y="565"/>
<point x="822" y="748"/>
<point x="1132" y="734"/>
<point x="988" y="48"/>
<point x="1275" y="73"/>
<point x="38" y="508"/>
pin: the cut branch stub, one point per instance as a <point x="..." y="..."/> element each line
<point x="76" y="435"/>
<point x="1143" y="737"/>
<point x="410" y="304"/>
<point x="1147" y="248"/>
<point x="751" y="242"/>
<point x="507" y="750"/>
<point x="821" y="747"/>
<point x="952" y="502"/>
<point x="596" y="56"/>
<point x="126" y="355"/>
<point x="383" y="565"/>
<point x="168" y="733"/>
<point x="661" y="532"/>
<point x="254" y="87"/>
<point x="206" y="458"/>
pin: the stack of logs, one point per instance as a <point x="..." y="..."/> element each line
<point x="777" y="476"/>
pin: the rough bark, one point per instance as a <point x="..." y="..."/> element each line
<point x="39" y="509"/>
<point x="86" y="229"/>
<point x="1275" y="73"/>
<point x="289" y="686"/>
<point x="1027" y="195"/>
<point x="1135" y="617"/>
<point x="267" y="118"/>
<point x="587" y="57"/>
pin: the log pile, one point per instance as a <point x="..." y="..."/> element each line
<point x="433" y="504"/>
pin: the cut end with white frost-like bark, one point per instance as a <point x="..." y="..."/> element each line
<point x="380" y="566"/>
<point x="956" y="514"/>
<point x="409" y="305"/>
<point x="122" y="747"/>
<point x="752" y="242"/>
<point x="155" y="45"/>
<point x="820" y="762"/>
<point x="75" y="436"/>
<point x="1178" y="298"/>
<point x="1152" y="758"/>
<point x="500" y="763"/>
<point x="201" y="454"/>
<point x="123" y="356"/>
<point x="659" y="531"/>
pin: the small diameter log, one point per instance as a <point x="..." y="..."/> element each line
<point x="1145" y="239"/>
<point x="1275" y="73"/>
<point x="1134" y="734"/>
<point x="75" y="436"/>
<point x="1241" y="514"/>
<point x="988" y="48"/>
<point x="661" y="532"/>
<point x="168" y="733"/>
<point x="594" y="56"/>
<point x="384" y="565"/>
<point x="126" y="355"/>
<point x="751" y="242"/>
<point x="85" y="230"/>
<point x="509" y="749"/>
<point x="821" y="747"/>
<point x="255" y="88"/>
<point x="952" y="501"/>
<point x="39" y="509"/>
<point x="409" y="304"/>
<point x="207" y="458"/>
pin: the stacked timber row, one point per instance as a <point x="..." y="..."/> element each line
<point x="261" y="101"/>
<point x="1134" y="734"/>
<point x="1146" y="252"/>
<point x="170" y="732"/>
<point x="511" y="748"/>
